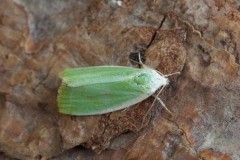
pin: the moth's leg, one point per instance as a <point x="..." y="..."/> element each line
<point x="140" y="60"/>
<point x="140" y="63"/>
<point x="125" y="109"/>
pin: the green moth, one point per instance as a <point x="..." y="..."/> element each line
<point x="104" y="89"/>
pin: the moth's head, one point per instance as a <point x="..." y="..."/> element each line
<point x="158" y="79"/>
<point x="164" y="80"/>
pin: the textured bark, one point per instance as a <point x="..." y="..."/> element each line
<point x="200" y="39"/>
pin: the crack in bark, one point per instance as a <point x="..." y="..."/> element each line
<point x="155" y="32"/>
<point x="189" y="146"/>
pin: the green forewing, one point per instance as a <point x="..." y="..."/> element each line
<point x="106" y="94"/>
<point x="98" y="98"/>
<point x="102" y="74"/>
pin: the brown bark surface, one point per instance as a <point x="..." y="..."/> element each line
<point x="199" y="38"/>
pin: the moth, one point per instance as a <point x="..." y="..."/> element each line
<point x="103" y="89"/>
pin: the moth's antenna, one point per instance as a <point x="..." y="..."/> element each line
<point x="159" y="73"/>
<point x="171" y="74"/>
<point x="156" y="98"/>
<point x="162" y="101"/>
<point x="163" y="105"/>
<point x="167" y="75"/>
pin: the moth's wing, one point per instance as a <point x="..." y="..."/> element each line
<point x="75" y="77"/>
<point x="101" y="97"/>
